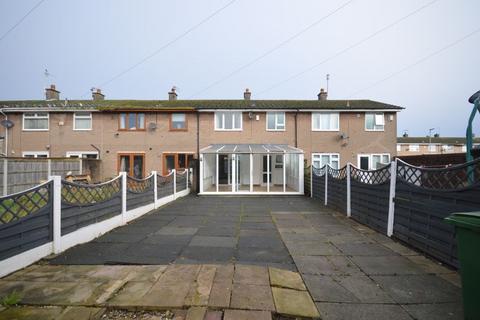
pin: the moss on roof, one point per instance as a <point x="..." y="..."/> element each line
<point x="107" y="105"/>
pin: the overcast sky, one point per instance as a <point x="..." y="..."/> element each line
<point x="205" y="44"/>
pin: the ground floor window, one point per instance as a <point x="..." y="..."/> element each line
<point x="177" y="161"/>
<point x="82" y="154"/>
<point x="373" y="161"/>
<point x="35" y="154"/>
<point x="321" y="159"/>
<point x="132" y="163"/>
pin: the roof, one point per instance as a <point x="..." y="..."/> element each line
<point x="250" y="148"/>
<point x="440" y="140"/>
<point x="153" y="105"/>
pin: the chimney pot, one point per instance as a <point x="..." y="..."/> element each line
<point x="98" y="95"/>
<point x="247" y="94"/>
<point x="52" y="93"/>
<point x="322" y="95"/>
<point x="172" y="95"/>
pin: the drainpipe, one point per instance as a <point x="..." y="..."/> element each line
<point x="197" y="182"/>
<point x="296" y="135"/>
<point x="6" y="133"/>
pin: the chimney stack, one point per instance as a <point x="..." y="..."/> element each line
<point x="247" y="94"/>
<point x="172" y="95"/>
<point x="98" y="95"/>
<point x="322" y="96"/>
<point x="52" y="93"/>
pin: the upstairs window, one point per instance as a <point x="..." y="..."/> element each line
<point x="276" y="121"/>
<point x="37" y="121"/>
<point x="82" y="121"/>
<point x="35" y="154"/>
<point x="178" y="122"/>
<point x="322" y="121"/>
<point x="228" y="120"/>
<point x="374" y="121"/>
<point x="132" y="121"/>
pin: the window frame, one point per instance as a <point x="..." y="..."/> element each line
<point x="276" y="123"/>
<point x="171" y="128"/>
<point x="370" y="159"/>
<point x="36" y="154"/>
<point x="136" y="121"/>
<point x="79" y="154"/>
<point x="216" y="114"/>
<point x="175" y="159"/>
<point x="414" y="147"/>
<point x="90" y="117"/>
<point x="36" y="117"/>
<point x="374" y="121"/>
<point x="329" y="154"/>
<point x="314" y="114"/>
<point x="131" y="155"/>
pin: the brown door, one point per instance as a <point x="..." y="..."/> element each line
<point x="133" y="164"/>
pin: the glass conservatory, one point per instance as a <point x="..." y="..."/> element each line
<point x="251" y="169"/>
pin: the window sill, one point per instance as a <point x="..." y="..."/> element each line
<point x="82" y="129"/>
<point x="276" y="130"/>
<point x="180" y="130"/>
<point x="325" y="130"/>
<point x="229" y="130"/>
<point x="136" y="130"/>
<point x="373" y="130"/>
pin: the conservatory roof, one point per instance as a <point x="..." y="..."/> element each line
<point x="250" y="148"/>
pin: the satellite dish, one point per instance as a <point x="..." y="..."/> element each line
<point x="474" y="97"/>
<point x="7" y="123"/>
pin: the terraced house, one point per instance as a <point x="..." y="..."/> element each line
<point x="243" y="146"/>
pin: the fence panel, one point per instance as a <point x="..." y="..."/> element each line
<point x="425" y="196"/>
<point x="318" y="183"/>
<point x="307" y="180"/>
<point x="337" y="188"/>
<point x="84" y="204"/>
<point x="181" y="182"/>
<point x="370" y="191"/>
<point x="26" y="220"/>
<point x="139" y="192"/>
<point x="164" y="185"/>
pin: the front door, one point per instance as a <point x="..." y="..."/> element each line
<point x="223" y="169"/>
<point x="265" y="170"/>
<point x="363" y="162"/>
<point x="133" y="164"/>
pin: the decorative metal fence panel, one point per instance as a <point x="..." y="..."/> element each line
<point x="318" y="183"/>
<point x="337" y="188"/>
<point x="370" y="191"/>
<point x="423" y="197"/>
<point x="84" y="204"/>
<point x="26" y="220"/>
<point x="164" y="186"/>
<point x="139" y="192"/>
<point x="181" y="182"/>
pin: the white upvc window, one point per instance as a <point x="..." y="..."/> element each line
<point x="82" y="154"/>
<point x="82" y="121"/>
<point x="228" y="121"/>
<point x="323" y="121"/>
<point x="447" y="148"/>
<point x="432" y="148"/>
<point x="35" y="121"/>
<point x="413" y="147"/>
<point x="373" y="161"/>
<point x="275" y="121"/>
<point x="374" y="121"/>
<point x="399" y="147"/>
<point x="35" y="154"/>
<point x="321" y="159"/>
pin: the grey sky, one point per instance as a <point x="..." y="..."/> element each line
<point x="85" y="43"/>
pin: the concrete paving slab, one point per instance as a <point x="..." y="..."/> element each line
<point x="131" y="294"/>
<point x="200" y="291"/>
<point x="419" y="289"/>
<point x="252" y="297"/>
<point x="386" y="265"/>
<point x="265" y="255"/>
<point x="452" y="311"/>
<point x="286" y="279"/>
<point x="247" y="315"/>
<point x="365" y="249"/>
<point x="75" y="313"/>
<point x="210" y="241"/>
<point x="196" y="313"/>
<point x="31" y="313"/>
<point x="207" y="254"/>
<point x="294" y="303"/>
<point x="345" y="311"/>
<point x="312" y="248"/>
<point x="166" y="296"/>
<point x="214" y="315"/>
<point x="326" y="289"/>
<point x="176" y="273"/>
<point x="177" y="231"/>
<point x="363" y="288"/>
<point x="247" y="274"/>
<point x="326" y="265"/>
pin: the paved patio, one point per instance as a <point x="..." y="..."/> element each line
<point x="231" y="258"/>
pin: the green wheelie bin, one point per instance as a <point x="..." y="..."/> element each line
<point x="467" y="228"/>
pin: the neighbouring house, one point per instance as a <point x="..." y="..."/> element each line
<point x="242" y="145"/>
<point x="410" y="146"/>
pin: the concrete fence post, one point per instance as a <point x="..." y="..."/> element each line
<point x="49" y="167"/>
<point x="349" y="191"/>
<point x="326" y="184"/>
<point x="124" y="196"/>
<point x="5" y="177"/>
<point x="311" y="180"/>
<point x="155" y="195"/>
<point x="391" y="203"/>
<point x="174" y="172"/>
<point x="57" y="214"/>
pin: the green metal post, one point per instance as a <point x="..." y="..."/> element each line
<point x="469" y="155"/>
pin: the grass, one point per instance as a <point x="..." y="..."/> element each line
<point x="11" y="299"/>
